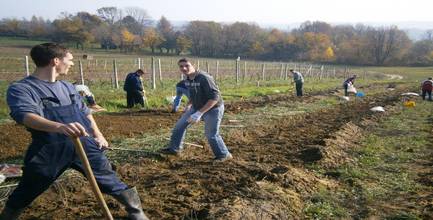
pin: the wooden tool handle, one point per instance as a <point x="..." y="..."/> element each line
<point x="89" y="174"/>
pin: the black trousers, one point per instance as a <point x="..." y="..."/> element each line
<point x="134" y="97"/>
<point x="426" y="92"/>
<point x="299" y="89"/>
<point x="345" y="90"/>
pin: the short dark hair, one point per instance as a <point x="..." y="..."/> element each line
<point x="430" y="78"/>
<point x="182" y="60"/>
<point x="291" y="70"/>
<point x="139" y="71"/>
<point x="42" y="54"/>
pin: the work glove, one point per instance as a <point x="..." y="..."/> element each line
<point x="194" y="118"/>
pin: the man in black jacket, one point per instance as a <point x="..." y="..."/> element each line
<point x="134" y="89"/>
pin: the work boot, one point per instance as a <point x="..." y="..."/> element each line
<point x="223" y="159"/>
<point x="169" y="151"/>
<point x="10" y="214"/>
<point x="130" y="199"/>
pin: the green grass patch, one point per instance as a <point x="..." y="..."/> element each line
<point x="385" y="169"/>
<point x="325" y="205"/>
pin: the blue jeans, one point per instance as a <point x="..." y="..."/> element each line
<point x="212" y="120"/>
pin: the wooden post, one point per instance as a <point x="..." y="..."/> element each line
<point x="139" y="62"/>
<point x="263" y="71"/>
<point x="286" y="71"/>
<point x="245" y="70"/>
<point x="345" y="72"/>
<point x="160" y="71"/>
<point x="321" y="72"/>
<point x="116" y="80"/>
<point x="207" y="67"/>
<point x="198" y="64"/>
<point x="26" y="65"/>
<point x="217" y="69"/>
<point x="81" y="72"/>
<point x="153" y="73"/>
<point x="237" y="70"/>
<point x="282" y="71"/>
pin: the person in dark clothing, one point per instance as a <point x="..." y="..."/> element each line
<point x="134" y="89"/>
<point x="348" y="82"/>
<point x="298" y="79"/>
<point x="426" y="88"/>
<point x="205" y="103"/>
<point x="53" y="111"/>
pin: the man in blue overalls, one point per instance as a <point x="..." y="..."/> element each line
<point x="53" y="111"/>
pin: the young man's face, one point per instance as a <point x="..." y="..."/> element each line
<point x="65" y="64"/>
<point x="186" y="68"/>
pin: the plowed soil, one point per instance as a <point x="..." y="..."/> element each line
<point x="266" y="180"/>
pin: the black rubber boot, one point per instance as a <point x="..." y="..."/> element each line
<point x="10" y="214"/>
<point x="130" y="199"/>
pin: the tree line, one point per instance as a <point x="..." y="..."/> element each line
<point x="133" y="30"/>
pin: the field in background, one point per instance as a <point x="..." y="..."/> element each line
<point x="236" y="80"/>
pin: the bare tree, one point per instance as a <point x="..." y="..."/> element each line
<point x="429" y="35"/>
<point x="140" y="15"/>
<point x="110" y="14"/>
<point x="386" y="43"/>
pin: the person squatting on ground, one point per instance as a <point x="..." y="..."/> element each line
<point x="205" y="104"/>
<point x="53" y="111"/>
<point x="348" y="82"/>
<point x="426" y="88"/>
<point x="181" y="90"/>
<point x="88" y="96"/>
<point x="134" y="89"/>
<point x="298" y="79"/>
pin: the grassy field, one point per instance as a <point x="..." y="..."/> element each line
<point x="387" y="173"/>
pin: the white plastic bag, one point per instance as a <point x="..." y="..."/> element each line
<point x="351" y="88"/>
<point x="410" y="94"/>
<point x="377" y="109"/>
<point x="344" y="98"/>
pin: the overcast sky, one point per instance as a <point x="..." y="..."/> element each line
<point x="259" y="11"/>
